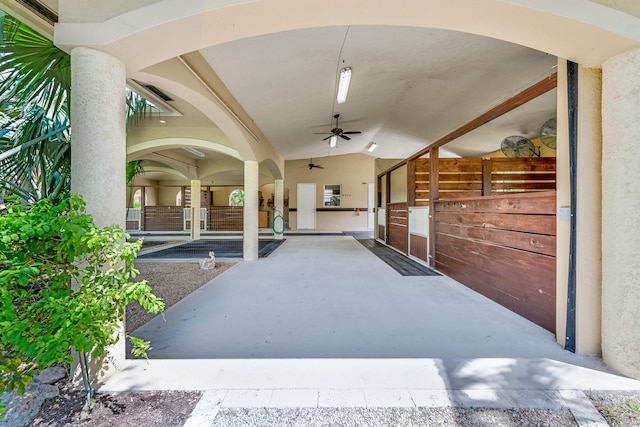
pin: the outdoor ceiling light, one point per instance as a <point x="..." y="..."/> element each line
<point x="193" y="151"/>
<point x="343" y="85"/>
<point x="333" y="142"/>
<point x="372" y="146"/>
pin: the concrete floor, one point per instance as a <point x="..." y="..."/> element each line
<point x="324" y="314"/>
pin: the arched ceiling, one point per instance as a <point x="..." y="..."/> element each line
<point x="420" y="68"/>
<point x="409" y="86"/>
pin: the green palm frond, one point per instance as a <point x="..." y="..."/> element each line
<point x="35" y="137"/>
<point x="35" y="80"/>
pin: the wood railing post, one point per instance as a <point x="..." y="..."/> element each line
<point x="434" y="194"/>
<point x="486" y="176"/>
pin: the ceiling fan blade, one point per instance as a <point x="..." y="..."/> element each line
<point x="344" y="137"/>
<point x="352" y="132"/>
<point x="323" y="133"/>
<point x="324" y="139"/>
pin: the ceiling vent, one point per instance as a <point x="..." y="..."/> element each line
<point x="41" y="10"/>
<point x="155" y="96"/>
<point x="159" y="93"/>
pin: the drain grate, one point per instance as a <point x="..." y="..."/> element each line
<point x="222" y="248"/>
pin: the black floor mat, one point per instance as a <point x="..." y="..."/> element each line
<point x="221" y="248"/>
<point x="400" y="263"/>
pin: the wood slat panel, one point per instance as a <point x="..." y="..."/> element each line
<point x="503" y="247"/>
<point x="539" y="224"/>
<point x="527" y="176"/>
<point x="537" y="243"/>
<point x="486" y="256"/>
<point x="381" y="234"/>
<point x="462" y="186"/>
<point x="446" y="195"/>
<point x="511" y="164"/>
<point x="422" y="164"/>
<point x="163" y="218"/>
<point x="418" y="246"/>
<point x="541" y="311"/>
<point x="397" y="222"/>
<point x="460" y="165"/>
<point x="524" y="186"/>
<point x="521" y="275"/>
<point x="397" y="237"/>
<point x="532" y="203"/>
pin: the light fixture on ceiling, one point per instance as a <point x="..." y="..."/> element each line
<point x="163" y="121"/>
<point x="372" y="146"/>
<point x="333" y="142"/>
<point x="343" y="85"/>
<point x="193" y="151"/>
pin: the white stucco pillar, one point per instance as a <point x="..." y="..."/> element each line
<point x="98" y="153"/>
<point x="195" y="209"/>
<point x="278" y="204"/>
<point x="620" y="213"/>
<point x="589" y="212"/>
<point x="98" y="148"/>
<point x="250" y="236"/>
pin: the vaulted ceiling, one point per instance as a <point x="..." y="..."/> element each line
<point x="409" y="87"/>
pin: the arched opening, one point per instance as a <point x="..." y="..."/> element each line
<point x="236" y="198"/>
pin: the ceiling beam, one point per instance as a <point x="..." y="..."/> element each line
<point x="530" y="93"/>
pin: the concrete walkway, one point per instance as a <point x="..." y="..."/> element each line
<point x="324" y="322"/>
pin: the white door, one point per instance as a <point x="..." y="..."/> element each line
<point x="306" y="206"/>
<point x="370" y="206"/>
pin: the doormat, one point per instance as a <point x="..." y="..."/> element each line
<point x="399" y="262"/>
<point x="221" y="248"/>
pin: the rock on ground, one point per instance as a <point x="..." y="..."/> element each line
<point x="21" y="410"/>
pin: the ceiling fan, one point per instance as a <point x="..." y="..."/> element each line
<point x="312" y="165"/>
<point x="336" y="131"/>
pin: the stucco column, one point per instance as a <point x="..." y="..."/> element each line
<point x="98" y="155"/>
<point x="278" y="204"/>
<point x="195" y="209"/>
<point x="589" y="212"/>
<point x="98" y="148"/>
<point x="250" y="236"/>
<point x="620" y="214"/>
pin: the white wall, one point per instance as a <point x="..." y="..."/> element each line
<point x="352" y="171"/>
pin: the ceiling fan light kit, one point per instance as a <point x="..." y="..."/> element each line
<point x="333" y="142"/>
<point x="337" y="132"/>
<point x="343" y="85"/>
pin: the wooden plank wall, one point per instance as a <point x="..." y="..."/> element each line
<point x="398" y="225"/>
<point x="418" y="246"/>
<point x="225" y="218"/>
<point x="484" y="177"/>
<point x="504" y="248"/>
<point x="163" y="218"/>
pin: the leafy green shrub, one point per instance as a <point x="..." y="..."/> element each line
<point x="64" y="286"/>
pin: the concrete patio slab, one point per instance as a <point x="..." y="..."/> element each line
<point x="323" y="320"/>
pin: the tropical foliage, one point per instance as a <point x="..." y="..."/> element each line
<point x="43" y="249"/>
<point x="35" y="80"/>
<point x="35" y="135"/>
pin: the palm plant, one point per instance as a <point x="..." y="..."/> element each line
<point x="35" y="80"/>
<point x="35" y="136"/>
